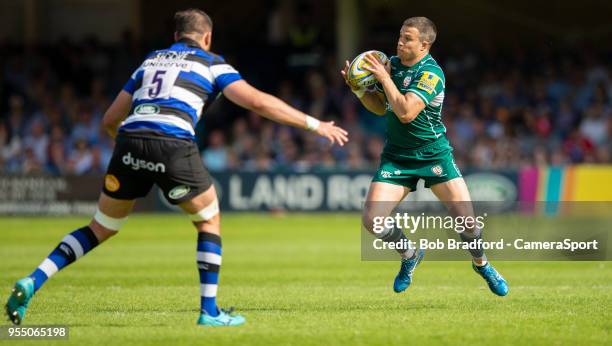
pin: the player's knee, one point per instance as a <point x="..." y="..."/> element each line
<point x="105" y="226"/>
<point x="367" y="219"/>
<point x="207" y="216"/>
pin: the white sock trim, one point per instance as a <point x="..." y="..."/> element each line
<point x="48" y="267"/>
<point x="209" y="257"/>
<point x="208" y="290"/>
<point x="74" y="245"/>
<point x="109" y="222"/>
<point x="206" y="213"/>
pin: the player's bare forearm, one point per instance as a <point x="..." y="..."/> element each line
<point x="394" y="97"/>
<point x="374" y="102"/>
<point x="116" y="113"/>
<point x="406" y="107"/>
<point x="112" y="132"/>
<point x="275" y="109"/>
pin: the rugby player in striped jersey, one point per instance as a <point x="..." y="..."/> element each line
<point x="153" y="120"/>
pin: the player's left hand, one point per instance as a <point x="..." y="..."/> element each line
<point x="334" y="133"/>
<point x="374" y="65"/>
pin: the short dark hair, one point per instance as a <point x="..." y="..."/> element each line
<point x="427" y="29"/>
<point x="192" y="21"/>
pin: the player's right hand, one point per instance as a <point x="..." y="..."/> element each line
<point x="344" y="74"/>
<point x="332" y="132"/>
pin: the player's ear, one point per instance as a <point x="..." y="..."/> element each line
<point x="207" y="40"/>
<point x="176" y="36"/>
<point x="424" y="45"/>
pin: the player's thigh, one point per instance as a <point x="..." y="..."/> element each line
<point x="382" y="198"/>
<point x="455" y="196"/>
<point x="203" y="210"/>
<point x="125" y="179"/>
<point x="110" y="215"/>
<point x="185" y="178"/>
<point x="113" y="207"/>
<point x="380" y="191"/>
<point x="200" y="201"/>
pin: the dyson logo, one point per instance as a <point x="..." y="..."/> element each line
<point x="137" y="164"/>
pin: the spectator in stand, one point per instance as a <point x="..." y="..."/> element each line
<point x="553" y="110"/>
<point x="215" y="155"/>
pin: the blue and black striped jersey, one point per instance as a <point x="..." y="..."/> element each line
<point x="172" y="86"/>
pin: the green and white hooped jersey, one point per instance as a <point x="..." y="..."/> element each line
<point x="426" y="80"/>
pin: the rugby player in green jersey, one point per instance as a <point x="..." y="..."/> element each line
<point x="410" y="94"/>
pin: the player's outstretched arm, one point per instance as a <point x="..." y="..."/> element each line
<point x="117" y="112"/>
<point x="406" y="106"/>
<point x="373" y="101"/>
<point x="273" y="108"/>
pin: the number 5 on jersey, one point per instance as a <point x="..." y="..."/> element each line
<point x="159" y="83"/>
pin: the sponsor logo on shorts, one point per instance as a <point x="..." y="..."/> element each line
<point x="137" y="164"/>
<point x="179" y="191"/>
<point x="147" y="109"/>
<point x="437" y="170"/>
<point x="111" y="183"/>
<point x="385" y="174"/>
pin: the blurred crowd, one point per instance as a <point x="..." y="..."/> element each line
<point x="503" y="109"/>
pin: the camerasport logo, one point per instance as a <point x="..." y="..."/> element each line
<point x="137" y="164"/>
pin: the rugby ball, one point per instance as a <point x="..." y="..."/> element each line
<point x="358" y="76"/>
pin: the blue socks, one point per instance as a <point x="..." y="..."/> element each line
<point x="70" y="249"/>
<point x="83" y="240"/>
<point x="209" y="262"/>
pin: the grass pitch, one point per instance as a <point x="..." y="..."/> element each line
<point x="298" y="279"/>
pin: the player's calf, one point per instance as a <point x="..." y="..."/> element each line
<point x="497" y="284"/>
<point x="206" y="222"/>
<point x="474" y="239"/>
<point x="72" y="247"/>
<point x="388" y="235"/>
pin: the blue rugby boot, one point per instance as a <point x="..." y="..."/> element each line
<point x="497" y="284"/>
<point x="224" y="318"/>
<point x="404" y="277"/>
<point x="19" y="299"/>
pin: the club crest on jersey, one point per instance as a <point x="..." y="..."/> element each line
<point x="147" y="109"/>
<point x="437" y="170"/>
<point x="406" y="81"/>
<point x="179" y="191"/>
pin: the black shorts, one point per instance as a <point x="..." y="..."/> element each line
<point x="141" y="160"/>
